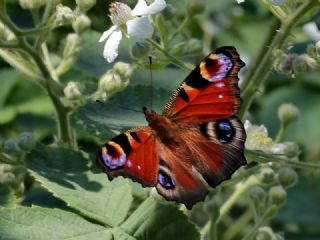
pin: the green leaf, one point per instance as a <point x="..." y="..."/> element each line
<point x="8" y="79"/>
<point x="67" y="175"/>
<point x="7" y="197"/>
<point x="154" y="221"/>
<point x="42" y="223"/>
<point x="109" y="119"/>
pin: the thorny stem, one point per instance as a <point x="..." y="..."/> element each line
<point x="47" y="82"/>
<point x="172" y="59"/>
<point x="264" y="65"/>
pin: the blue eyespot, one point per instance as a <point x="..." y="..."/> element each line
<point x="166" y="181"/>
<point x="224" y="131"/>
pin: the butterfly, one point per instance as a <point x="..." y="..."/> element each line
<point x="197" y="140"/>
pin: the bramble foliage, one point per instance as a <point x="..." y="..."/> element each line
<point x="53" y="69"/>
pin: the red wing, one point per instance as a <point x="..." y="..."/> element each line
<point x="211" y="90"/>
<point x="132" y="154"/>
<point x="177" y="181"/>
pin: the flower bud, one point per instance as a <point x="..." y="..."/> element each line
<point x="32" y="4"/>
<point x="303" y="63"/>
<point x="264" y="233"/>
<point x="288" y="113"/>
<point x="124" y="70"/>
<point x="26" y="141"/>
<point x="169" y="12"/>
<point x="72" y="45"/>
<point x="278" y="195"/>
<point x="195" y="7"/>
<point x="289" y="149"/>
<point x="287" y="177"/>
<point x="10" y="146"/>
<point x="267" y="175"/>
<point x="140" y="50"/>
<point x="81" y="24"/>
<point x="111" y="83"/>
<point x="85" y="5"/>
<point x="72" y="91"/>
<point x="64" y="15"/>
<point x="212" y="208"/>
<point x="276" y="2"/>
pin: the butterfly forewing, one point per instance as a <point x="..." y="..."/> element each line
<point x="210" y="91"/>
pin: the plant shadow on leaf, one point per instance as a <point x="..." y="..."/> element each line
<point x="109" y="119"/>
<point x="62" y="166"/>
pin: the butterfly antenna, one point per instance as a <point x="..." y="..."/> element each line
<point x="126" y="108"/>
<point x="151" y="82"/>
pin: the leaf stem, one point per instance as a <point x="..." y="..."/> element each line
<point x="263" y="66"/>
<point x="172" y="59"/>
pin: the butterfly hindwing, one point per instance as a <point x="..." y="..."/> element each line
<point x="210" y="91"/>
<point x="131" y="154"/>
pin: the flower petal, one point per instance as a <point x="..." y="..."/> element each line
<point x="110" y="51"/>
<point x="107" y="33"/>
<point x="139" y="28"/>
<point x="141" y="9"/>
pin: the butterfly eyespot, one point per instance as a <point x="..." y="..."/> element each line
<point x="224" y="131"/>
<point x="165" y="180"/>
<point x="113" y="156"/>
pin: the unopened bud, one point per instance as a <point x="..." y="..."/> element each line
<point x="64" y="15"/>
<point x="303" y="63"/>
<point x="264" y="233"/>
<point x="287" y="177"/>
<point x="72" y="91"/>
<point x="288" y="113"/>
<point x="26" y="141"/>
<point x="124" y="70"/>
<point x="278" y="195"/>
<point x="85" y="5"/>
<point x="140" y="50"/>
<point x="258" y="195"/>
<point x="169" y="12"/>
<point x="11" y="146"/>
<point x="81" y="23"/>
<point x="267" y="175"/>
<point x="111" y="83"/>
<point x="32" y="4"/>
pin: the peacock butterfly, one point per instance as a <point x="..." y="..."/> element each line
<point x="196" y="141"/>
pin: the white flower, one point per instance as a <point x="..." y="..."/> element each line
<point x="133" y="23"/>
<point x="257" y="137"/>
<point x="240" y="1"/>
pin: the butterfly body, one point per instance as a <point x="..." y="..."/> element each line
<point x="197" y="141"/>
